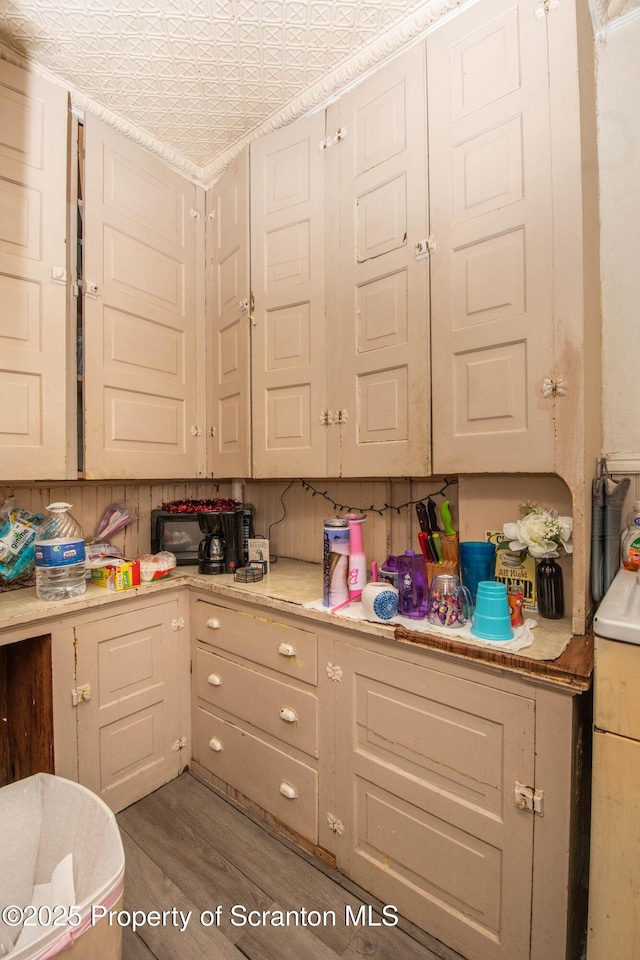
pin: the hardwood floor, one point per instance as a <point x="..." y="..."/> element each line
<point x="189" y="850"/>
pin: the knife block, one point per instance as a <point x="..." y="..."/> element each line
<point x="447" y="566"/>
<point x="449" y="547"/>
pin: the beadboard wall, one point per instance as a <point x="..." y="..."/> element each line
<point x="287" y="512"/>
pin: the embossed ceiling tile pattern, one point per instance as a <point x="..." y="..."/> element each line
<point x="195" y="77"/>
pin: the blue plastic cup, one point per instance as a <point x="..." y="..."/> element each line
<point x="477" y="562"/>
<point x="492" y="617"/>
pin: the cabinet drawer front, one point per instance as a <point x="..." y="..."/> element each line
<point x="261" y="772"/>
<point x="616" y="685"/>
<point x="283" y="711"/>
<point x="271" y="644"/>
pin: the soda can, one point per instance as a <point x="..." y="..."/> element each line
<point x="335" y="561"/>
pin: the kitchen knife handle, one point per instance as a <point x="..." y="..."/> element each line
<point x="445" y="514"/>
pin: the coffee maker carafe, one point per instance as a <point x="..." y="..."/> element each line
<point x="220" y="551"/>
<point x="211" y="547"/>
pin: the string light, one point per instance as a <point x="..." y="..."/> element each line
<point x="309" y="488"/>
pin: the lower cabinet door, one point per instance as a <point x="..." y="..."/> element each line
<point x="283" y="786"/>
<point x="426" y="768"/>
<point x="128" y="731"/>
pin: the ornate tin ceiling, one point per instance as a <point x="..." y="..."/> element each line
<point x="193" y="80"/>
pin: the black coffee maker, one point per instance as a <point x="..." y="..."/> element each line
<point x="220" y="551"/>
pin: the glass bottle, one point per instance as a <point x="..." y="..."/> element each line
<point x="549" y="588"/>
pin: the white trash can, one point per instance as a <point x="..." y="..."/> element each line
<point x="61" y="869"/>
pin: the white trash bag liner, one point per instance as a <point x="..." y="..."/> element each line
<point x="43" y="820"/>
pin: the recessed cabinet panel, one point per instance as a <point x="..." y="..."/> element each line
<point x="490" y="390"/>
<point x="143" y="346"/>
<point x="287" y="256"/>
<point x="288" y="417"/>
<point x="229" y="352"/>
<point x="21" y="314"/>
<point x="136" y="269"/>
<point x="22" y="125"/>
<point x="381" y="312"/>
<point x="382" y="219"/>
<point x="485" y="65"/>
<point x="20" y="220"/>
<point x="130" y="745"/>
<point x="487" y="171"/>
<point x="152" y="203"/>
<point x="397" y="835"/>
<point x="383" y="406"/>
<point x="288" y="337"/>
<point x="151" y="422"/>
<point x="21" y="393"/>
<point x="489" y="279"/>
<point x="230" y="420"/>
<point x="381" y="128"/>
<point x="36" y="368"/>
<point x="229" y="281"/>
<point x="286" y="177"/>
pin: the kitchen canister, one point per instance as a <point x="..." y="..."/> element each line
<point x="379" y="600"/>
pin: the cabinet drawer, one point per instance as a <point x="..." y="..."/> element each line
<point x="271" y="644"/>
<point x="279" y="709"/>
<point x="260" y="771"/>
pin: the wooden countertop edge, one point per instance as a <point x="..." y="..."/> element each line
<point x="574" y="666"/>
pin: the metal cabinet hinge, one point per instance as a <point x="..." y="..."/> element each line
<point x="78" y="694"/>
<point x="554" y="387"/>
<point x="196" y="431"/>
<point x="424" y="248"/>
<point x="528" y="798"/>
<point x="335" y="824"/>
<point x="179" y="744"/>
<point x="194" y="213"/>
<point x="178" y="623"/>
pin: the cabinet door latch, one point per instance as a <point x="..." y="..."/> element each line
<point x="528" y="798"/>
<point x="78" y="694"/>
<point x="426" y="247"/>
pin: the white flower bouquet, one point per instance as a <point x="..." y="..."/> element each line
<point x="539" y="532"/>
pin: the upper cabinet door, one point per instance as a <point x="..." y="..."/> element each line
<point x="289" y="342"/>
<point x="491" y="280"/>
<point x="33" y="260"/>
<point x="144" y="225"/>
<point x="228" y="298"/>
<point x="381" y="322"/>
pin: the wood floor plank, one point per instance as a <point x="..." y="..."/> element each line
<point x="292" y="880"/>
<point x="147" y="889"/>
<point x="191" y="863"/>
<point x="275" y="943"/>
<point x="206" y="845"/>
<point x="133" y="948"/>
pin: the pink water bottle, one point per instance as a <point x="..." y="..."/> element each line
<point x="357" y="576"/>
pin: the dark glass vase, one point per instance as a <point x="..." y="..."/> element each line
<point x="549" y="589"/>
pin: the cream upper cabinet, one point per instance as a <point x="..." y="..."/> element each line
<point x="510" y="243"/>
<point x="378" y="282"/>
<point x="289" y="340"/>
<point x="341" y="320"/>
<point x="143" y="320"/>
<point x="34" y="380"/>
<point x="228" y="298"/>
